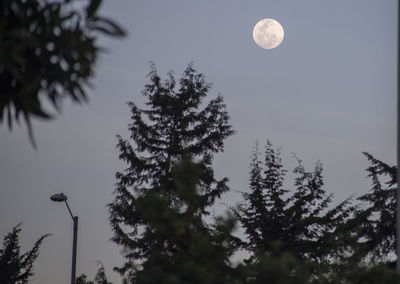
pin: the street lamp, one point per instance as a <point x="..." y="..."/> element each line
<point x="398" y="145"/>
<point x="60" y="197"/>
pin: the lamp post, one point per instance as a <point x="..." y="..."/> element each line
<point x="398" y="145"/>
<point x="60" y="197"/>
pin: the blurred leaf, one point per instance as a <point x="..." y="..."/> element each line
<point x="39" y="51"/>
<point x="93" y="7"/>
<point x="108" y="27"/>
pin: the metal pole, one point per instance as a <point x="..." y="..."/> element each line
<point x="73" y="269"/>
<point x="398" y="145"/>
<point x="69" y="209"/>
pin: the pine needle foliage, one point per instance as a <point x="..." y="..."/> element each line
<point x="376" y="220"/>
<point x="14" y="266"/>
<point x="300" y="222"/>
<point x="189" y="250"/>
<point x="174" y="124"/>
<point x="99" y="278"/>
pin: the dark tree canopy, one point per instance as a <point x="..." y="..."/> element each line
<point x="354" y="243"/>
<point x="375" y="223"/>
<point x="14" y="266"/>
<point x="48" y="49"/>
<point x="174" y="124"/>
<point x="293" y="236"/>
<point x="99" y="278"/>
<point x="264" y="206"/>
<point x="298" y="222"/>
<point x="180" y="247"/>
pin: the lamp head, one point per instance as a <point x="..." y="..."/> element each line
<point x="59" y="197"/>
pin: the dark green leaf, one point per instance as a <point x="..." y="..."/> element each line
<point x="92" y="8"/>
<point x="108" y="27"/>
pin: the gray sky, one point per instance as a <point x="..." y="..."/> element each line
<point x="328" y="93"/>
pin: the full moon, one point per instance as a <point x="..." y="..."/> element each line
<point x="268" y="33"/>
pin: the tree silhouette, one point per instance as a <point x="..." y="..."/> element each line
<point x="184" y="249"/>
<point x="173" y="126"/>
<point x="16" y="267"/>
<point x="99" y="278"/>
<point x="375" y="222"/>
<point x="300" y="222"/>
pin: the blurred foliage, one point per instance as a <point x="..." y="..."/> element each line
<point x="367" y="274"/>
<point x="14" y="266"/>
<point x="281" y="267"/>
<point x="189" y="250"/>
<point x="278" y="268"/>
<point x="48" y="50"/>
<point x="99" y="278"/>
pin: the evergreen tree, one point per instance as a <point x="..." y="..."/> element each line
<point x="375" y="221"/>
<point x="306" y="225"/>
<point x="82" y="279"/>
<point x="100" y="277"/>
<point x="16" y="267"/>
<point x="173" y="125"/>
<point x="279" y="268"/>
<point x="264" y="206"/>
<point x="189" y="251"/>
<point x="299" y="223"/>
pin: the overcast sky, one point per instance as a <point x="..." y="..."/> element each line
<point x="327" y="93"/>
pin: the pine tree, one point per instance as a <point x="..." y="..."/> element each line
<point x="264" y="205"/>
<point x="376" y="220"/>
<point x="15" y="267"/>
<point x="315" y="231"/>
<point x="190" y="251"/>
<point x="172" y="126"/>
<point x="99" y="278"/>
<point x="300" y="223"/>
